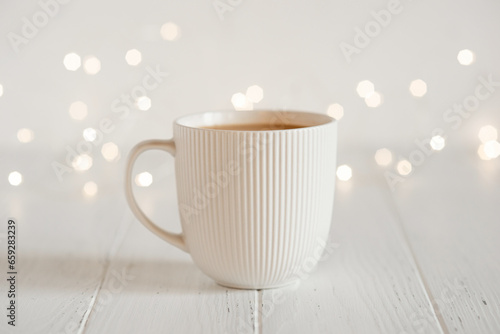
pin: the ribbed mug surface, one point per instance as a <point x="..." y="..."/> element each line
<point x="255" y="206"/>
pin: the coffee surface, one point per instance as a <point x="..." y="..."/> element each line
<point x="254" y="127"/>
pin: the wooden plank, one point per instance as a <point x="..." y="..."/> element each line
<point x="90" y="267"/>
<point x="161" y="289"/>
<point x="451" y="214"/>
<point x="368" y="284"/>
<point x="61" y="256"/>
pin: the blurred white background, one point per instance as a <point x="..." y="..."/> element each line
<point x="306" y="55"/>
<point x="72" y="78"/>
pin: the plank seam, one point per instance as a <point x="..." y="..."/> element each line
<point x="420" y="276"/>
<point x="85" y="318"/>
<point x="258" y="312"/>
<point x="122" y="230"/>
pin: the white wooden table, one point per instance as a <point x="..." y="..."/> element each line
<point x="424" y="258"/>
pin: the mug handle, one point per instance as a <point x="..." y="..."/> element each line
<point x="166" y="145"/>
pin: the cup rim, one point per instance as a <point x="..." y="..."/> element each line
<point x="322" y="119"/>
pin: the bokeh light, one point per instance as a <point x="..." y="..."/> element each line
<point x="335" y="110"/>
<point x="90" y="189"/>
<point x="143" y="103"/>
<point x="437" y="143"/>
<point x="482" y="153"/>
<point x="466" y="57"/>
<point x="82" y="162"/>
<point x="133" y="57"/>
<point x="487" y="133"/>
<point x="170" y="31"/>
<point x="240" y="102"/>
<point x="89" y="134"/>
<point x="490" y="150"/>
<point x="144" y="179"/>
<point x="418" y="88"/>
<point x="373" y="100"/>
<point x="344" y="172"/>
<point x="404" y="167"/>
<point x="255" y="94"/>
<point x="78" y="110"/>
<point x="383" y="157"/>
<point x="25" y="135"/>
<point x="110" y="151"/>
<point x="92" y="65"/>
<point x="365" y="88"/>
<point x="15" y="178"/>
<point x="72" y="61"/>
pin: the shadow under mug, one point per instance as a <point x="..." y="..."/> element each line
<point x="255" y="206"/>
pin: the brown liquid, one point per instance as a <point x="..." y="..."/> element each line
<point x="254" y="127"/>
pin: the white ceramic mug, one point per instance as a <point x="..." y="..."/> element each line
<point x="255" y="206"/>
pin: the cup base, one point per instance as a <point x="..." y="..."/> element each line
<point x="256" y="287"/>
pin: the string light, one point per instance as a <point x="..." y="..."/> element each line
<point x="383" y="157"/>
<point x="487" y="133"/>
<point x="365" y="88"/>
<point x="90" y="189"/>
<point x="170" y="31"/>
<point x="110" y="151"/>
<point x="344" y="173"/>
<point x="144" y="179"/>
<point x="25" y="135"/>
<point x="466" y="57"/>
<point x="482" y="154"/>
<point x="335" y="110"/>
<point x="255" y="94"/>
<point x="92" y="65"/>
<point x="82" y="162"/>
<point x="89" y="134"/>
<point x="133" y="57"/>
<point x="15" y="178"/>
<point x="240" y="102"/>
<point x="491" y="149"/>
<point x="418" y="88"/>
<point x="404" y="167"/>
<point x="72" y="61"/>
<point x="373" y="100"/>
<point x="143" y="103"/>
<point x="78" y="110"/>
<point x="437" y="143"/>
